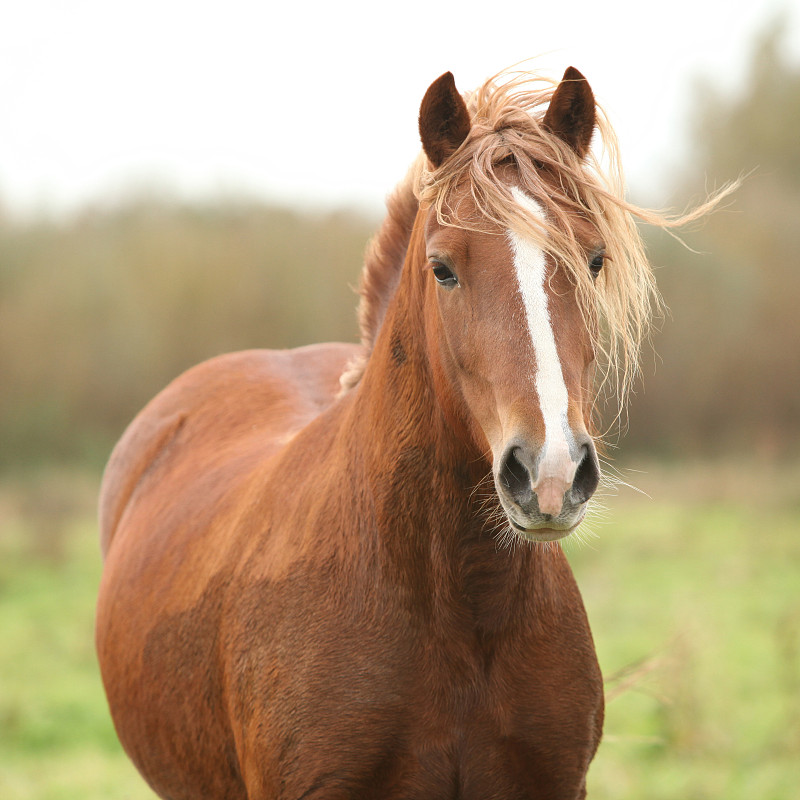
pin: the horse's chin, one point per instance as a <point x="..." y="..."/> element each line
<point x="541" y="534"/>
<point x="547" y="532"/>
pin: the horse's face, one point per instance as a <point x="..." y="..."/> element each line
<point x="513" y="343"/>
<point x="515" y="347"/>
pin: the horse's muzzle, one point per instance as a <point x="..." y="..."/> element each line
<point x="547" y="489"/>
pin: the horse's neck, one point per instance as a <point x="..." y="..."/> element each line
<point x="431" y="498"/>
<point x="410" y="417"/>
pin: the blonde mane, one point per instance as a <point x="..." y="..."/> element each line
<point x="507" y="127"/>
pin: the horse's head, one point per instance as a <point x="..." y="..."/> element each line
<point x="515" y="249"/>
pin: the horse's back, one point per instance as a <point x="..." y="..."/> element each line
<point x="238" y="401"/>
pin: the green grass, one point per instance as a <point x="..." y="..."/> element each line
<point x="56" y="737"/>
<point x="694" y="599"/>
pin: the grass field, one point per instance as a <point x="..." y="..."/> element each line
<point x="693" y="594"/>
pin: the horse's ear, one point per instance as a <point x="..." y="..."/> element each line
<point x="571" y="114"/>
<point x="443" y="120"/>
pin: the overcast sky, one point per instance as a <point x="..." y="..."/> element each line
<point x="317" y="102"/>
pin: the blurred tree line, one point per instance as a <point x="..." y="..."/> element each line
<point x="727" y="371"/>
<point x="99" y="312"/>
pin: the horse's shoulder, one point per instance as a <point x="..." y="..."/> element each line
<point x="218" y="403"/>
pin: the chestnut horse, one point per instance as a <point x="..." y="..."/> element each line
<point x="303" y="593"/>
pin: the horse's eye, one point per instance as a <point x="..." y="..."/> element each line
<point x="596" y="264"/>
<point x="444" y="275"/>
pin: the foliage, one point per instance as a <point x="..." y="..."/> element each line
<point x="728" y="374"/>
<point x="99" y="312"/>
<point x="695" y="588"/>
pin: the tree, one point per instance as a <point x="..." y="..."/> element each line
<point x="728" y="376"/>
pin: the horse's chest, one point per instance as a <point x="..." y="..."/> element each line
<point x="420" y="753"/>
<point x="394" y="707"/>
<point x="479" y="757"/>
<point x="511" y="735"/>
<point x="444" y="728"/>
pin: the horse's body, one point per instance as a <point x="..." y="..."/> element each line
<point x="303" y="596"/>
<point x="301" y="660"/>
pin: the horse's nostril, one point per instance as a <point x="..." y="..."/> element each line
<point x="587" y="476"/>
<point x="515" y="477"/>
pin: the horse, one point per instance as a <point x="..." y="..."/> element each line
<point x="306" y="591"/>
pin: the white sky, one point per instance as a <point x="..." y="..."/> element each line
<point x="317" y="102"/>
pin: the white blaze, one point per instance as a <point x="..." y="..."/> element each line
<point x="531" y="268"/>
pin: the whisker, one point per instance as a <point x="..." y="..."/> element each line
<point x="612" y="478"/>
